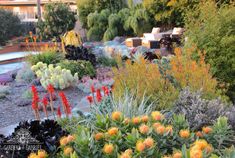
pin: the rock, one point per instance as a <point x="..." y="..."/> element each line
<point x="5" y="78"/>
<point x="23" y="102"/>
<point x="119" y="39"/>
<point x="53" y="97"/>
<point x="36" y="82"/>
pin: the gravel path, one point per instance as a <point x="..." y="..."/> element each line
<point x="12" y="113"/>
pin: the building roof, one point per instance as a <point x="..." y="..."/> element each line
<point x="31" y="2"/>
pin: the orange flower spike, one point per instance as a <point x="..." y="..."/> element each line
<point x="35" y="39"/>
<point x="27" y="41"/>
<point x="30" y="33"/>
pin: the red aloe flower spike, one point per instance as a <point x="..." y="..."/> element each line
<point x="106" y="91"/>
<point x="58" y="112"/>
<point x="66" y="105"/>
<point x="98" y="95"/>
<point x="45" y="103"/>
<point x="103" y="88"/>
<point x="92" y="89"/>
<point x="35" y="101"/>
<point x="51" y="90"/>
<point x="90" y="99"/>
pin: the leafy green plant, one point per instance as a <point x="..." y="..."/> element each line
<point x="82" y="68"/>
<point x="47" y="57"/>
<point x="27" y="94"/>
<point x="56" y="76"/>
<point x="4" y="91"/>
<point x="10" y="26"/>
<point x="58" y="19"/>
<point x="106" y="61"/>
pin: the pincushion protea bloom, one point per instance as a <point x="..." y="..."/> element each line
<point x="108" y="148"/>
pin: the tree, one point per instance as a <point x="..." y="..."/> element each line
<point x="58" y="19"/>
<point x="10" y="26"/>
<point x="212" y="29"/>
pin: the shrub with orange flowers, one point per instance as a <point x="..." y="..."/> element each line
<point x="154" y="138"/>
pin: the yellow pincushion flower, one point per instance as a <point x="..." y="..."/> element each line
<point x="177" y="154"/>
<point x="113" y="131"/>
<point x="33" y="155"/>
<point x="149" y="142"/>
<point x="108" y="148"/>
<point x="140" y="146"/>
<point x="125" y="155"/>
<point x="196" y="153"/>
<point x="129" y="151"/>
<point x="201" y="144"/>
<point x="144" y="129"/>
<point x="99" y="136"/>
<point x="144" y="118"/>
<point x="116" y="116"/>
<point x="136" y="120"/>
<point x="207" y="130"/>
<point x="70" y="138"/>
<point x="184" y="133"/>
<point x="169" y="129"/>
<point x="63" y="141"/>
<point x="160" y="130"/>
<point x="68" y="150"/>
<point x="157" y="116"/>
<point x="42" y="154"/>
<point x="126" y="121"/>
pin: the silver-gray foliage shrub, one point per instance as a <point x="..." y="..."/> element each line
<point x="200" y="112"/>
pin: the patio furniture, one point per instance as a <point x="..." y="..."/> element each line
<point x="155" y="30"/>
<point x="151" y="44"/>
<point x="133" y="42"/>
<point x="177" y="34"/>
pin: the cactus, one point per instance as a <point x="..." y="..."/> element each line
<point x="58" y="77"/>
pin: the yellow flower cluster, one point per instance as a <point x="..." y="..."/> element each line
<point x="39" y="154"/>
<point x="66" y="139"/>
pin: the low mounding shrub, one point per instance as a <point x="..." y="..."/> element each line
<point x="118" y="136"/>
<point x="106" y="61"/>
<point x="82" y="68"/>
<point x="4" y="91"/>
<point x="47" y="57"/>
<point x="199" y="111"/>
<point x="56" y="76"/>
<point x="79" y="53"/>
<point x="25" y="74"/>
<point x="10" y="26"/>
<point x="143" y="78"/>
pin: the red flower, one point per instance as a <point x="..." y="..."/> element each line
<point x="58" y="112"/>
<point x="50" y="89"/>
<point x="65" y="103"/>
<point x="98" y="95"/>
<point x="45" y="101"/>
<point x="90" y="99"/>
<point x="35" y="98"/>
<point x="106" y="90"/>
<point x="92" y="89"/>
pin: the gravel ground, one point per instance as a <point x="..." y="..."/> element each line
<point x="15" y="108"/>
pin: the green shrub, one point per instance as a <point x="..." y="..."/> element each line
<point x="212" y="29"/>
<point x="82" y="68"/>
<point x="48" y="57"/>
<point x="106" y="61"/>
<point x="58" y="19"/>
<point x="10" y="26"/>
